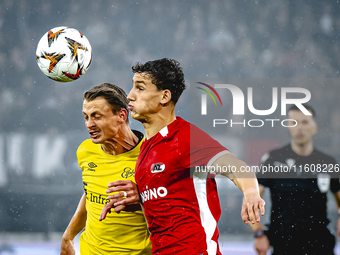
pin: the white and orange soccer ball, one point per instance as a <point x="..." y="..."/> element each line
<point x="63" y="54"/>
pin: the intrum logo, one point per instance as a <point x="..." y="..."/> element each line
<point x="238" y="99"/>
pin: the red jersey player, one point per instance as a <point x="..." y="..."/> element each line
<point x="182" y="210"/>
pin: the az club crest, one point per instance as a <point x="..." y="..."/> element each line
<point x="157" y="167"/>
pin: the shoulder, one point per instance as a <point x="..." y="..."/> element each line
<point x="86" y="145"/>
<point x="180" y="129"/>
<point x="188" y="132"/>
<point x="186" y="127"/>
<point x="283" y="150"/>
<point x="181" y="125"/>
<point x="85" y="150"/>
<point x="323" y="157"/>
<point x="276" y="153"/>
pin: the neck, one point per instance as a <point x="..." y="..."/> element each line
<point x="124" y="141"/>
<point x="303" y="149"/>
<point x="156" y="122"/>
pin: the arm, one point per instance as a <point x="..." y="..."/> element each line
<point x="258" y="225"/>
<point x="337" y="199"/>
<point x="247" y="183"/>
<point x="261" y="242"/>
<point x="76" y="224"/>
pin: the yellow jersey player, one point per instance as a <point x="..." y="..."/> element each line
<point x="110" y="154"/>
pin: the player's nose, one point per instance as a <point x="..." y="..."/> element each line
<point x="90" y="123"/>
<point x="130" y="96"/>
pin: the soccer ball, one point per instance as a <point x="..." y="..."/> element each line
<point x="63" y="54"/>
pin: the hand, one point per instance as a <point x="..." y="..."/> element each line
<point x="118" y="201"/>
<point x="67" y="247"/>
<point x="338" y="227"/>
<point x="252" y="203"/>
<point x="262" y="245"/>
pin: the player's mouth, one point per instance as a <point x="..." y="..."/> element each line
<point x="93" y="134"/>
<point x="299" y="136"/>
<point x="130" y="107"/>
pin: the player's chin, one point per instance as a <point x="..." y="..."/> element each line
<point x="300" y="137"/>
<point x="301" y="141"/>
<point x="140" y="116"/>
<point x="135" y="115"/>
<point x="96" y="140"/>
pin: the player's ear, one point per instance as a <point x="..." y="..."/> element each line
<point x="315" y="128"/>
<point x="123" y="114"/>
<point x="166" y="97"/>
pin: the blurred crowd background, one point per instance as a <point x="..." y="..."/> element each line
<point x="41" y="120"/>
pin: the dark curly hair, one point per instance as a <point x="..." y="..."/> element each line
<point x="166" y="74"/>
<point x="114" y="95"/>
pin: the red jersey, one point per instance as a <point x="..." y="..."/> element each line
<point x="182" y="210"/>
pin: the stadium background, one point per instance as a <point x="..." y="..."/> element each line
<point x="41" y="121"/>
